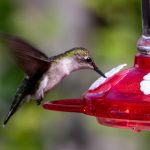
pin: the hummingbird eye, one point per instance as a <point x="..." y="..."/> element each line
<point x="88" y="59"/>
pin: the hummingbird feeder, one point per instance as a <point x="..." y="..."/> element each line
<point x="123" y="98"/>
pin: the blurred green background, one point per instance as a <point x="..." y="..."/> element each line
<point x="110" y="29"/>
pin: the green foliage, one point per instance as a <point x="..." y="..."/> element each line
<point x="6" y="13"/>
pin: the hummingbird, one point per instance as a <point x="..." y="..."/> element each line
<point x="43" y="73"/>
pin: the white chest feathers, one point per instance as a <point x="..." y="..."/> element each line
<point x="44" y="82"/>
<point x="67" y="65"/>
<point x="54" y="75"/>
<point x="41" y="89"/>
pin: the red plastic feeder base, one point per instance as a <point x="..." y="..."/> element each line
<point x="121" y="100"/>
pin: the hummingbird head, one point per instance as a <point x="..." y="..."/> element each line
<point x="83" y="59"/>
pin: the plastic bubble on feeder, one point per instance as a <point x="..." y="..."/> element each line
<point x="123" y="98"/>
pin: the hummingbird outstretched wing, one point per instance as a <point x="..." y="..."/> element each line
<point x="30" y="59"/>
<point x="33" y="62"/>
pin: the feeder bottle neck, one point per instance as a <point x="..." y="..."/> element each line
<point x="143" y="44"/>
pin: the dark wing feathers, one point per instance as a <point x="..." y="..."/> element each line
<point x="30" y="59"/>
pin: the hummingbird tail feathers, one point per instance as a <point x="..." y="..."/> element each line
<point x="15" y="108"/>
<point x="20" y="98"/>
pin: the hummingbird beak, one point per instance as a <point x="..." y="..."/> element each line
<point x="97" y="70"/>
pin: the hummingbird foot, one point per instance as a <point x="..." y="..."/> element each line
<point x="39" y="101"/>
